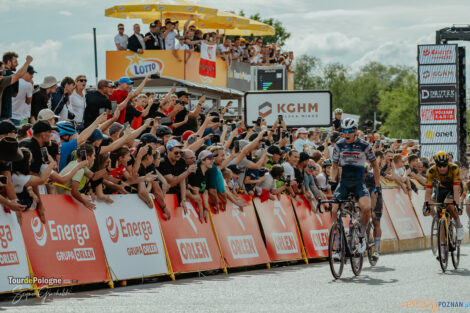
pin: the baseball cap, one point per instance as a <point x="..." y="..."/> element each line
<point x="173" y="143"/>
<point x="182" y="93"/>
<point x="96" y="135"/>
<point x="41" y="126"/>
<point x="206" y="154"/>
<point x="126" y="80"/>
<point x="46" y="114"/>
<point x="115" y="128"/>
<point x="148" y="138"/>
<point x="303" y="157"/>
<point x="7" y="127"/>
<point x="186" y="135"/>
<point x="301" y="131"/>
<point x="31" y="70"/>
<point x="153" y="25"/>
<point x="234" y="169"/>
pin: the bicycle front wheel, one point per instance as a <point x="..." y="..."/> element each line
<point x="357" y="259"/>
<point x="434" y="238"/>
<point x="455" y="245"/>
<point x="336" y="250"/>
<point x="370" y="244"/>
<point x="443" y="247"/>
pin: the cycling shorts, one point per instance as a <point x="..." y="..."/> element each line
<point x="358" y="188"/>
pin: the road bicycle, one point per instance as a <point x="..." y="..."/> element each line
<point x="344" y="243"/>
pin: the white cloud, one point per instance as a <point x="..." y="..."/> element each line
<point x="66" y="13"/>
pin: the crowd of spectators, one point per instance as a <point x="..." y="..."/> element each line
<point x="230" y="48"/>
<point x="60" y="138"/>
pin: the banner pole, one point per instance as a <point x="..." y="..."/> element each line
<point x="224" y="266"/>
<point x="31" y="275"/>
<point x="168" y="262"/>
<point x="304" y="254"/>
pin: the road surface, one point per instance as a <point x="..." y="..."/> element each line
<point x="397" y="278"/>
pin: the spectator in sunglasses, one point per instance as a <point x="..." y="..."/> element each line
<point x="77" y="99"/>
<point x="120" y="40"/>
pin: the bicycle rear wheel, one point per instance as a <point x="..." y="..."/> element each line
<point x="370" y="244"/>
<point x="336" y="243"/>
<point x="455" y="245"/>
<point x="434" y="238"/>
<point x="357" y="259"/>
<point x="443" y="247"/>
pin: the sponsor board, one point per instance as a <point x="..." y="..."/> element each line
<point x="131" y="238"/>
<point x="426" y="221"/>
<point x="298" y="108"/>
<point x="427" y="151"/>
<point x="437" y="74"/>
<point x="280" y="228"/>
<point x="438" y="114"/>
<point x="13" y="260"/>
<point x="68" y="246"/>
<point x="402" y="215"/>
<point x="434" y="134"/>
<point x="239" y="235"/>
<point x="215" y="76"/>
<point x="239" y="76"/>
<point x="437" y="54"/>
<point x="437" y="94"/>
<point x="191" y="245"/>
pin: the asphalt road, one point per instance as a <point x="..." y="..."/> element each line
<point x="396" y="279"/>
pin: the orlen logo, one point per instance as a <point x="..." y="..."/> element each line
<point x="426" y="52"/>
<point x="113" y="230"/>
<point x="139" y="66"/>
<point x="39" y="231"/>
<point x="265" y="109"/>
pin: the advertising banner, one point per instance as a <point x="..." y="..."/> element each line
<point x="131" y="239"/>
<point x="191" y="245"/>
<point x="239" y="76"/>
<point x="192" y="73"/>
<point x="207" y="61"/>
<point x="401" y="212"/>
<point x="388" y="233"/>
<point x="427" y="151"/>
<point x="418" y="201"/>
<point x="14" y="269"/>
<point x="239" y="235"/>
<point x="315" y="228"/>
<point x="280" y="228"/>
<point x="438" y="114"/>
<point x="297" y="108"/>
<point x="432" y="134"/>
<point x="437" y="94"/>
<point x="67" y="249"/>
<point x="437" y="54"/>
<point x="130" y="64"/>
<point x="437" y="74"/>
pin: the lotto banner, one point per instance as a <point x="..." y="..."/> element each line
<point x="13" y="261"/>
<point x="191" y="245"/>
<point x="402" y="214"/>
<point x="314" y="227"/>
<point x="67" y="249"/>
<point x="131" y="239"/>
<point x="239" y="235"/>
<point x="280" y="228"/>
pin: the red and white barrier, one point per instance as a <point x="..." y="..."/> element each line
<point x="67" y="249"/>
<point x="131" y="238"/>
<point x="13" y="260"/>
<point x="239" y="235"/>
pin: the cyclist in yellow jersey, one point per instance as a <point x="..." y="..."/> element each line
<point x="447" y="173"/>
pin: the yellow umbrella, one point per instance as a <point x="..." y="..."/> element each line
<point x="140" y="9"/>
<point x="255" y="28"/>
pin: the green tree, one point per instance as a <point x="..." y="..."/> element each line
<point x="281" y="33"/>
<point x="307" y="76"/>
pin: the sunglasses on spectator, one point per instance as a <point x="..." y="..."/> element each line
<point x="82" y="80"/>
<point x="121" y="28"/>
<point x="348" y="131"/>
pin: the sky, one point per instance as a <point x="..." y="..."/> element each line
<point x="58" y="33"/>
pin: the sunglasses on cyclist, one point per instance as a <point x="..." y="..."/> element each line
<point x="348" y="131"/>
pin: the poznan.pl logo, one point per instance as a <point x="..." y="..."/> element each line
<point x="113" y="230"/>
<point x="139" y="66"/>
<point x="39" y="231"/>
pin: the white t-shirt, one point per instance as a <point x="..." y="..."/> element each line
<point x="299" y="144"/>
<point x="77" y="106"/>
<point x="321" y="180"/>
<point x="20" y="109"/>
<point x="19" y="181"/>
<point x="269" y="183"/>
<point x="170" y="41"/>
<point x="121" y="40"/>
<point x="179" y="46"/>
<point x="223" y="48"/>
<point x="64" y="114"/>
<point x="288" y="170"/>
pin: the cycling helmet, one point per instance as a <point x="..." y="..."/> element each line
<point x="66" y="128"/>
<point x="441" y="158"/>
<point x="326" y="163"/>
<point x="163" y="130"/>
<point x="338" y="111"/>
<point x="348" y="123"/>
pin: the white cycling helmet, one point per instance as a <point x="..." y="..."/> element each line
<point x="338" y="111"/>
<point x="349" y="123"/>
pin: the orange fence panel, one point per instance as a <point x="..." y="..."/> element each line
<point x="191" y="244"/>
<point x="68" y="247"/>
<point x="239" y="235"/>
<point x="280" y="228"/>
<point x="426" y="221"/>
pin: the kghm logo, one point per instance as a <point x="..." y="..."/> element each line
<point x="139" y="66"/>
<point x="39" y="231"/>
<point x="265" y="109"/>
<point x="113" y="230"/>
<point x="266" y="85"/>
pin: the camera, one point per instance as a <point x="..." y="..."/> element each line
<point x="3" y="179"/>
<point x="45" y="155"/>
<point x="83" y="155"/>
<point x="279" y="117"/>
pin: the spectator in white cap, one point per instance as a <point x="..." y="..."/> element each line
<point x="301" y="142"/>
<point x="42" y="95"/>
